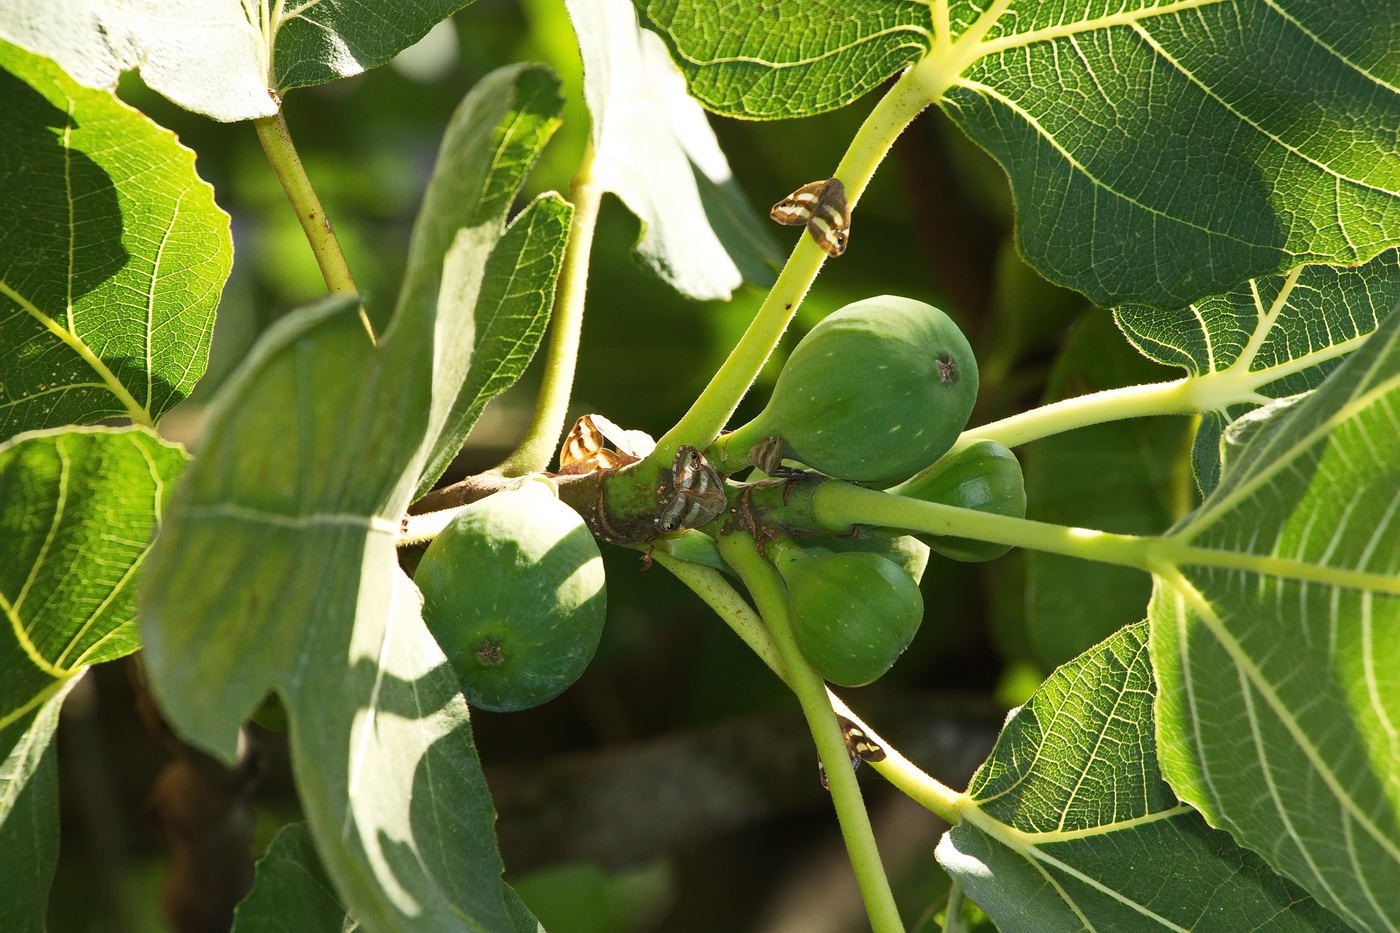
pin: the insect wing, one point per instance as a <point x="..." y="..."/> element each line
<point x="830" y="223"/>
<point x="796" y="209"/>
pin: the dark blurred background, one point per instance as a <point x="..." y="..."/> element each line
<point x="674" y="788"/>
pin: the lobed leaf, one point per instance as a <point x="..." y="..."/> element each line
<point x="222" y="58"/>
<point x="1276" y="638"/>
<point x="112" y="255"/>
<point x="278" y="568"/>
<point x="1157" y="150"/>
<point x="1071" y="827"/>
<point x="655" y="150"/>
<point x="1269" y="338"/>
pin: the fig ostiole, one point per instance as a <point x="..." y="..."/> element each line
<point x="513" y="592"/>
<point x="852" y="613"/>
<point x="873" y="393"/>
<point x="983" y="475"/>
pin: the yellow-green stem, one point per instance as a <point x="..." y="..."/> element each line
<point x="770" y="596"/>
<point x="709" y="413"/>
<point x="1160" y="398"/>
<point x="282" y="155"/>
<point x="565" y="328"/>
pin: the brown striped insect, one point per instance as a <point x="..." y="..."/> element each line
<point x="691" y="493"/>
<point x="583" y="450"/>
<point x="859" y="746"/>
<point x="822" y="207"/>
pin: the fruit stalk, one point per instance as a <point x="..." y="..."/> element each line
<point x="771" y="599"/>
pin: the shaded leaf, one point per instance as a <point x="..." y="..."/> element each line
<point x="1120" y="476"/>
<point x="655" y="150"/>
<point x="1272" y="337"/>
<point x="278" y="569"/>
<point x="112" y="255"/>
<point x="1276" y="639"/>
<point x="1071" y="826"/>
<point x="1156" y="151"/>
<point x="29" y="811"/>
<point x="291" y="890"/>
<point x="213" y="57"/>
<point x="78" y="509"/>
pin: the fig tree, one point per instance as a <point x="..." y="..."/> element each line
<point x="513" y="592"/>
<point x="874" y="393"/>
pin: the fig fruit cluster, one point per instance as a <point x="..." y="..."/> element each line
<point x="513" y="592"/>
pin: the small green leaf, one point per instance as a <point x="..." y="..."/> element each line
<point x="792" y="58"/>
<point x="112" y="255"/>
<point x="29" y="812"/>
<point x="1272" y="337"/>
<point x="78" y="509"/>
<point x="219" y="57"/>
<point x="278" y="569"/>
<point x="321" y="40"/>
<point x="1276" y="638"/>
<point x="290" y="889"/>
<point x="1073" y="828"/>
<point x="655" y="150"/>
<point x="494" y="138"/>
<point x="1120" y="476"/>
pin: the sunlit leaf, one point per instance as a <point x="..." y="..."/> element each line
<point x="112" y="255"/>
<point x="278" y="566"/>
<point x="1073" y="827"/>
<point x="1156" y="151"/>
<point x="655" y="150"/>
<point x="1272" y="337"/>
<point x="77" y="512"/>
<point x="222" y="58"/>
<point x="1276" y="639"/>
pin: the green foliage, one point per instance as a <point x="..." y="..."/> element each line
<point x="1224" y="176"/>
<point x="1069" y="823"/>
<point x="1296" y="764"/>
<point x="513" y="594"/>
<point x="112" y="255"/>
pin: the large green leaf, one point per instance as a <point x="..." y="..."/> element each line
<point x="77" y="511"/>
<point x="112" y="255"/>
<point x="29" y="812"/>
<point x="1272" y="337"/>
<point x="1120" y="476"/>
<point x="1071" y="826"/>
<point x="277" y="568"/>
<point x="219" y="57"/>
<point x="655" y="150"/>
<point x="1276" y="638"/>
<point x="1157" y="151"/>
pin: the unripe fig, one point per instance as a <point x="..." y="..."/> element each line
<point x="906" y="551"/>
<point x="852" y="614"/>
<point x="874" y="393"/>
<point x="984" y="476"/>
<point x="513" y="592"/>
